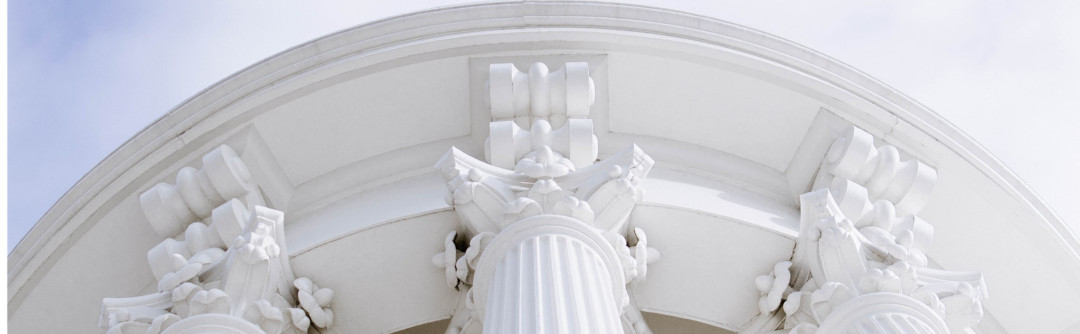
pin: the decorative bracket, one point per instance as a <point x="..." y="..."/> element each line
<point x="228" y="273"/>
<point x="861" y="245"/>
<point x="541" y="168"/>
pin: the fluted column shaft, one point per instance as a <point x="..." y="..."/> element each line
<point x="884" y="313"/>
<point x="546" y="278"/>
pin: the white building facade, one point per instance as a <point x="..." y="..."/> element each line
<point x="548" y="167"/>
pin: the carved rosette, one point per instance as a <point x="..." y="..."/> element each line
<point x="858" y="265"/>
<point x="224" y="266"/>
<point x="545" y="223"/>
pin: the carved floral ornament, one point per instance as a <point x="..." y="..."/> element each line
<point x="542" y="217"/>
<point x="859" y="265"/>
<point x="222" y="270"/>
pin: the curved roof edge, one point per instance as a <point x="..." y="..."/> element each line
<point x="109" y="177"/>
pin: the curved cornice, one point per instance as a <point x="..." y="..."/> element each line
<point x="197" y="118"/>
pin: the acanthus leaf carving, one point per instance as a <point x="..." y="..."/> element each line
<point x="541" y="161"/>
<point x="315" y="301"/>
<point x="861" y="243"/>
<point x="773" y="287"/>
<point x="447" y="260"/>
<point x="228" y="271"/>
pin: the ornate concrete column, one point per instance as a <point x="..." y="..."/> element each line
<point x="547" y="248"/>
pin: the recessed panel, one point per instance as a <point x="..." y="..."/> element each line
<point x="382" y="277"/>
<point x="372" y="114"/>
<point x="707" y="266"/>
<point x="708" y="106"/>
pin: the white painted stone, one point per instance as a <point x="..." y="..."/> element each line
<point x="550" y="279"/>
<point x="340" y="134"/>
<point x="547" y="250"/>
<point x="232" y="276"/>
<point x="857" y="267"/>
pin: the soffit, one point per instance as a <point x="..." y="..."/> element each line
<point x="709" y="106"/>
<point x="368" y="115"/>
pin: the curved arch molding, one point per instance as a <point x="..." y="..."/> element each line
<point x="340" y="134"/>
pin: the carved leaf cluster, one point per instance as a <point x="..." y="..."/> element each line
<point x="230" y="263"/>
<point x="860" y="239"/>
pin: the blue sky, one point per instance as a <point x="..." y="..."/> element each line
<point x="86" y="76"/>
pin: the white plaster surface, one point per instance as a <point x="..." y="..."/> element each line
<point x="419" y="195"/>
<point x="700" y="277"/>
<point x="708" y="106"/>
<point x="326" y="140"/>
<point x="374" y="113"/>
<point x="388" y="278"/>
<point x="680" y="190"/>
